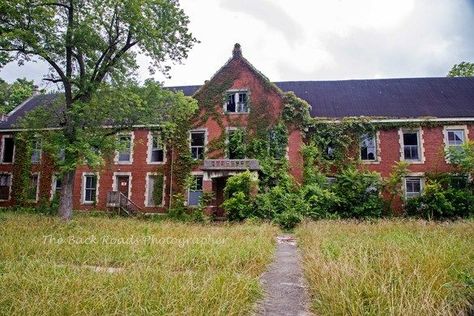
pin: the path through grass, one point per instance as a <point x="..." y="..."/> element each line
<point x="126" y="266"/>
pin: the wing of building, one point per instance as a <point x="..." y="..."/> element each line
<point x="239" y="96"/>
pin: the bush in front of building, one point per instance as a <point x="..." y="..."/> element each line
<point x="441" y="202"/>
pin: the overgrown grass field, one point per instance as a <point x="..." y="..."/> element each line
<point x="127" y="266"/>
<point x="389" y="267"/>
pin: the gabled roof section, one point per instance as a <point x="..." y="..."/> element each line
<point x="237" y="55"/>
<point x="30" y="104"/>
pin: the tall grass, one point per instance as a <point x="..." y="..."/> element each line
<point x="155" y="268"/>
<point x="389" y="267"/>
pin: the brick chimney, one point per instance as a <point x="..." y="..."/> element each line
<point x="237" y="52"/>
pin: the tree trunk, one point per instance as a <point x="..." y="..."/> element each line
<point x="65" y="203"/>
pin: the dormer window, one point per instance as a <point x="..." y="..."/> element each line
<point x="237" y="102"/>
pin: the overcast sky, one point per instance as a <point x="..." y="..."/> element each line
<point x="319" y="39"/>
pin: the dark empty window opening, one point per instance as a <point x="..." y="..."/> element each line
<point x="197" y="145"/>
<point x="411" y="148"/>
<point x="237" y="102"/>
<point x="368" y="148"/>
<point x="8" y="149"/>
<point x="5" y="184"/>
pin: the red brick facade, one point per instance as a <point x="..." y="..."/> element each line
<point x="265" y="99"/>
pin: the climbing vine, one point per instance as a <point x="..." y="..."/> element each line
<point x="21" y="169"/>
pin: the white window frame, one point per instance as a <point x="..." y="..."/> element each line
<point x="449" y="128"/>
<point x="236" y="92"/>
<point x="3" y="149"/>
<point x="419" y="176"/>
<point x="40" y="149"/>
<point x="194" y="174"/>
<point x="151" y="135"/>
<point x="115" y="182"/>
<point x="205" y="141"/>
<point x="10" y="186"/>
<point x="376" y="136"/>
<point x="37" y="186"/>
<point x="83" y="188"/>
<point x="147" y="189"/>
<point x="117" y="153"/>
<point x="421" y="149"/>
<point x="53" y="185"/>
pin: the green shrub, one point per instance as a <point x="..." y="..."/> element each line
<point x="321" y="202"/>
<point x="238" y="207"/>
<point x="358" y="194"/>
<point x="289" y="218"/>
<point x="239" y="203"/>
<point x="437" y="202"/>
<point x="178" y="210"/>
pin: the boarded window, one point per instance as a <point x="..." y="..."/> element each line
<point x="8" y="149"/>
<point x="5" y="184"/>
<point x="155" y="190"/>
<point x="195" y="191"/>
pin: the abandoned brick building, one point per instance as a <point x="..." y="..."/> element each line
<point x="135" y="169"/>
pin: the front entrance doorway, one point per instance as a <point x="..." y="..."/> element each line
<point x="123" y="184"/>
<point x="218" y="185"/>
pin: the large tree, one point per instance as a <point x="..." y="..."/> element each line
<point x="91" y="46"/>
<point x="13" y="94"/>
<point x="463" y="69"/>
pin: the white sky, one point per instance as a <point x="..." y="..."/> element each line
<point x="319" y="39"/>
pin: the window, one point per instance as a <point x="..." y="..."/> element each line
<point x="411" y="145"/>
<point x="237" y="102"/>
<point x="413" y="187"/>
<point x="456" y="137"/>
<point x="155" y="190"/>
<point x="33" y="187"/>
<point x="90" y="188"/>
<point x="124" y="155"/>
<point x="156" y="150"/>
<point x="8" y="149"/>
<point x="36" y="150"/>
<point x="5" y="184"/>
<point x="330" y="152"/>
<point x="368" y="148"/>
<point x="56" y="186"/>
<point x="459" y="182"/>
<point x="330" y="180"/>
<point x="197" y="145"/>
<point x="195" y="191"/>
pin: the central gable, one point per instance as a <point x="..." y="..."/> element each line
<point x="239" y="95"/>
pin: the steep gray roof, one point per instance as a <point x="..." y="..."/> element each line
<point x="392" y="98"/>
